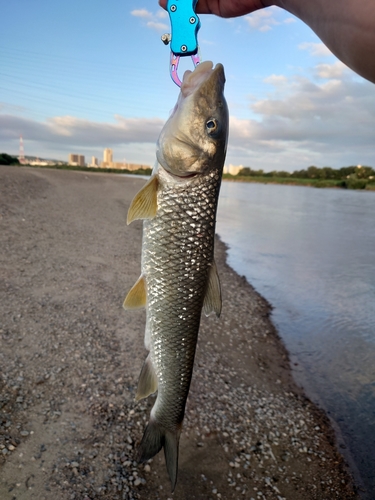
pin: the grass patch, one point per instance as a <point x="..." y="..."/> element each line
<point x="291" y="181"/>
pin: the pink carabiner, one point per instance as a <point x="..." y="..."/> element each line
<point x="175" y="59"/>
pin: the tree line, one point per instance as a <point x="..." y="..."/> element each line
<point x="324" y="173"/>
<point x="6" y="159"/>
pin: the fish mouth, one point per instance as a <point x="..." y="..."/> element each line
<point x="192" y="80"/>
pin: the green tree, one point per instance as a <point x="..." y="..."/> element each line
<point x="6" y="159"/>
<point x="346" y="171"/>
<point x="245" y="171"/>
<point x="364" y="172"/>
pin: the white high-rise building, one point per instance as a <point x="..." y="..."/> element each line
<point x="232" y="169"/>
<point x="108" y="155"/>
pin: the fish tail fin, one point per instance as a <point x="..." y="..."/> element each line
<point x="154" y="439"/>
<point x="171" y="455"/>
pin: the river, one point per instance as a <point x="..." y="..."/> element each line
<point x="311" y="253"/>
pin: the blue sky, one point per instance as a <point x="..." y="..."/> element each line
<point x="79" y="76"/>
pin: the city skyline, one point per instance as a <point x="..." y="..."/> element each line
<point x="79" y="160"/>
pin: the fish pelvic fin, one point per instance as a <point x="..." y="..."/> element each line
<point x="137" y="296"/>
<point x="212" y="299"/>
<point x="154" y="439"/>
<point x="148" y="381"/>
<point x="144" y="204"/>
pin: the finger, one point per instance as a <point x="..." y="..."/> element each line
<point x="202" y="7"/>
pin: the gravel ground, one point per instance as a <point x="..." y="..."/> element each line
<point x="70" y="359"/>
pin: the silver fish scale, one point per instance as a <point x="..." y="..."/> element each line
<point x="178" y="246"/>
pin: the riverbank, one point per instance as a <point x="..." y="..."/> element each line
<point x="362" y="184"/>
<point x="350" y="183"/>
<point x="71" y="357"/>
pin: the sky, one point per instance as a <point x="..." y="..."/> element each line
<point x="79" y="76"/>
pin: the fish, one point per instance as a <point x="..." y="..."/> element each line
<point x="179" y="277"/>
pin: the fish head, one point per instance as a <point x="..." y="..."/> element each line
<point x="194" y="139"/>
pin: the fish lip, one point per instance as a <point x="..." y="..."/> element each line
<point x="187" y="89"/>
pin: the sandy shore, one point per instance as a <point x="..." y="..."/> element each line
<point x="70" y="358"/>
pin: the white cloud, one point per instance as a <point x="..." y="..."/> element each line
<point x="151" y="20"/>
<point x="265" y="19"/>
<point x="141" y="13"/>
<point x="67" y="131"/>
<point x="276" y="80"/>
<point x="261" y="20"/>
<point x="290" y="20"/>
<point x="157" y="26"/>
<point x="335" y="70"/>
<point x="133" y="138"/>
<point x="162" y="14"/>
<point x="315" y="49"/>
<point x="302" y="122"/>
<point x="328" y="119"/>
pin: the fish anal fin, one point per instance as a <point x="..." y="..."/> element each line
<point x="148" y="381"/>
<point x="144" y="204"/>
<point x="137" y="296"/>
<point x="212" y="299"/>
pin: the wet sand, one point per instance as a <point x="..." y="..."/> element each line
<point x="70" y="358"/>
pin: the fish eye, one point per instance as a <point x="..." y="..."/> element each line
<point x="212" y="126"/>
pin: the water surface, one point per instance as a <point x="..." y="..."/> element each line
<point x="311" y="253"/>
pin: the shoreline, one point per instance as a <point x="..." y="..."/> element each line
<point x="321" y="184"/>
<point x="71" y="359"/>
<point x="354" y="184"/>
<point x="349" y="184"/>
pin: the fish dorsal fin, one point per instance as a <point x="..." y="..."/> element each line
<point x="148" y="382"/>
<point x="144" y="204"/>
<point x="137" y="296"/>
<point x="212" y="299"/>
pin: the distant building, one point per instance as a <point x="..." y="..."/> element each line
<point x="122" y="166"/>
<point x="42" y="163"/>
<point x="109" y="163"/>
<point x="108" y="156"/>
<point x="232" y="169"/>
<point x="94" y="162"/>
<point x="75" y="159"/>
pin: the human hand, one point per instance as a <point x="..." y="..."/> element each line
<point x="226" y="8"/>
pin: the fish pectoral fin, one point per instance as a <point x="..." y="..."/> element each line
<point x="148" y="381"/>
<point x="212" y="299"/>
<point x="137" y="296"/>
<point x="144" y="204"/>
